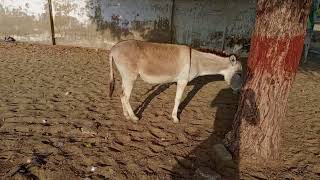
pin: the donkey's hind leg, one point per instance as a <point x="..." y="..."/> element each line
<point x="181" y="85"/>
<point x="124" y="108"/>
<point x="127" y="85"/>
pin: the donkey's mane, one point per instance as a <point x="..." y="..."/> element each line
<point x="216" y="52"/>
<point x="213" y="51"/>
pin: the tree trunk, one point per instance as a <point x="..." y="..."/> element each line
<point x="276" y="48"/>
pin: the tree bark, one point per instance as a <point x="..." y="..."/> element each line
<point x="276" y="48"/>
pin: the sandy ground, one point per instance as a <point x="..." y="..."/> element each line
<point x="56" y="121"/>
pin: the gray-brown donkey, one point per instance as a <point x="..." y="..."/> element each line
<point x="158" y="63"/>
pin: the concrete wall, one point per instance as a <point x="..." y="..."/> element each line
<point x="204" y="23"/>
<point x="25" y="20"/>
<point x="102" y="23"/>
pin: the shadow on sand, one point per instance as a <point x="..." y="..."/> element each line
<point x="197" y="84"/>
<point x="211" y="159"/>
<point x="202" y="157"/>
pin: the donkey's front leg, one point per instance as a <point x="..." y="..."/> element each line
<point x="181" y="84"/>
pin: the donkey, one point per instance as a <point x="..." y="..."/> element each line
<point x="158" y="63"/>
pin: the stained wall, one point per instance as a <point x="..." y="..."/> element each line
<point x="102" y="23"/>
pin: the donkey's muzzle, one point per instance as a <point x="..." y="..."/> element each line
<point x="236" y="82"/>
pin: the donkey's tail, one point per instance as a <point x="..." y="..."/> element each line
<point x="112" y="80"/>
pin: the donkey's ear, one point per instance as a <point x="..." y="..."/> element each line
<point x="233" y="59"/>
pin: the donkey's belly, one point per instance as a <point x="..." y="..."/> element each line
<point x="152" y="79"/>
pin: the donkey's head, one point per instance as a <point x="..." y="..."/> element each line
<point x="233" y="73"/>
<point x="223" y="63"/>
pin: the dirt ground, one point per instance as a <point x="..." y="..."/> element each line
<point x="56" y="121"/>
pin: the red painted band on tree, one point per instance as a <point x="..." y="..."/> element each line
<point x="276" y="50"/>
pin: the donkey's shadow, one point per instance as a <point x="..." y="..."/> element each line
<point x="198" y="83"/>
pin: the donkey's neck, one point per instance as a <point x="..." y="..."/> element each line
<point x="209" y="64"/>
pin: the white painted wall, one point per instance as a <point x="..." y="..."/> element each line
<point x="26" y="20"/>
<point x="77" y="9"/>
<point x="29" y="7"/>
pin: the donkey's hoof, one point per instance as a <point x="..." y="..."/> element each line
<point x="176" y="120"/>
<point x="134" y="119"/>
<point x="127" y="116"/>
